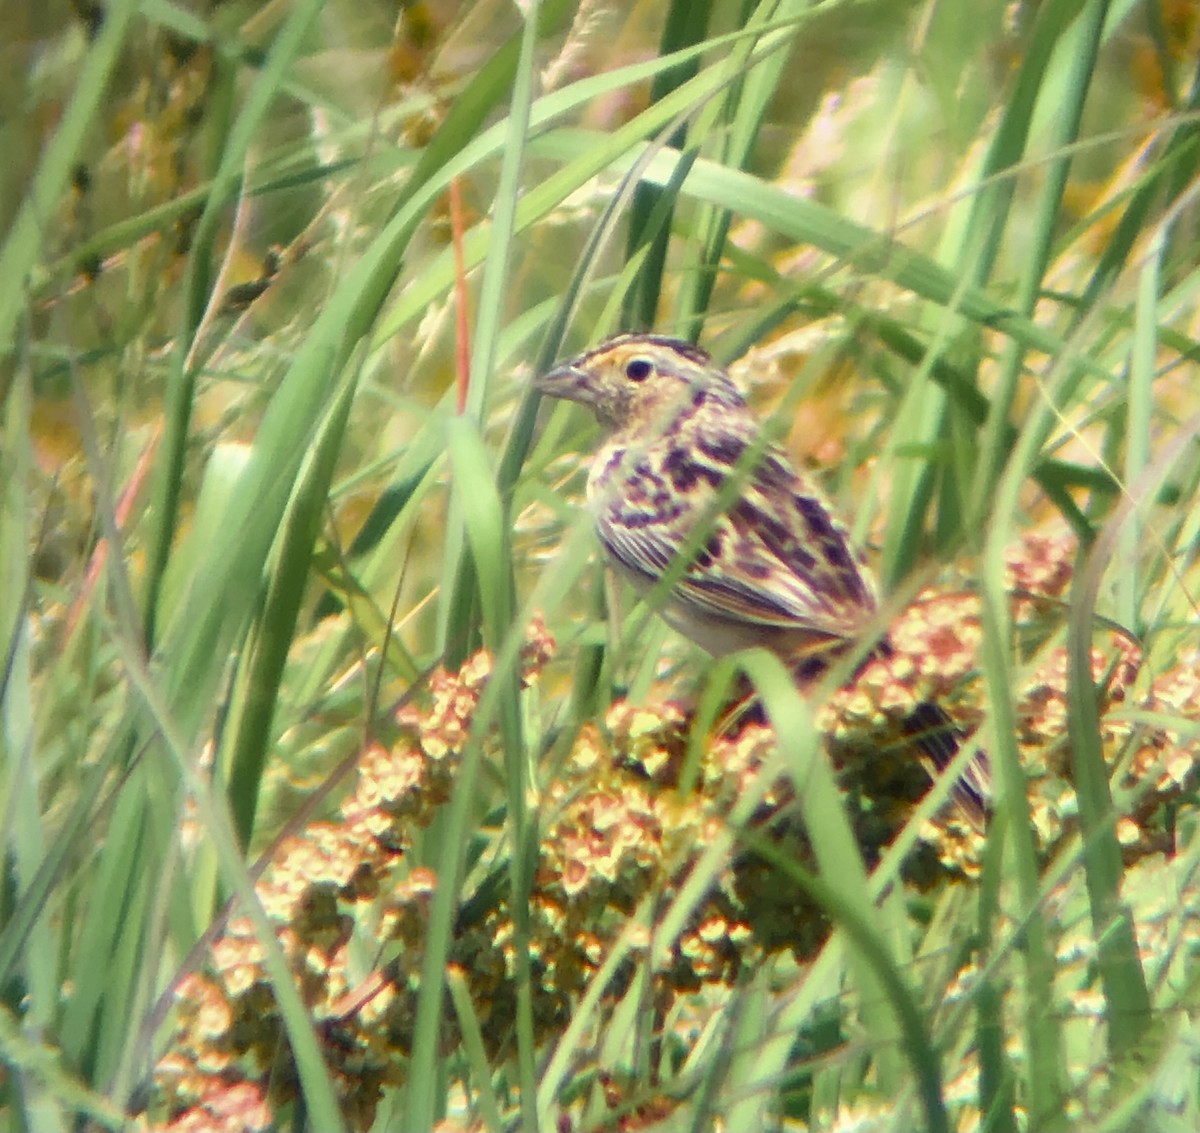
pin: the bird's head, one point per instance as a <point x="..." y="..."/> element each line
<point x="635" y="379"/>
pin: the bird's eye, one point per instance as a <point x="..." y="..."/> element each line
<point x="638" y="369"/>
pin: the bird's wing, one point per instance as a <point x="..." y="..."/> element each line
<point x="775" y="557"/>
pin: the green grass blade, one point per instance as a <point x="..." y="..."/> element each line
<point x="23" y="243"/>
<point x="887" y="1010"/>
<point x="742" y="114"/>
<point x="250" y="724"/>
<point x="1128" y="1002"/>
<point x="652" y="207"/>
<point x="1085" y="42"/>
<point x="197" y="297"/>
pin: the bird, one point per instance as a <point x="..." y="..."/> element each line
<point x="682" y="470"/>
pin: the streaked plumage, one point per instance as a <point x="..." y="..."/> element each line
<point x="770" y="564"/>
<point x="774" y="566"/>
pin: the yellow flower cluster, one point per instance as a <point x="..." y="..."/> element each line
<point x="623" y="822"/>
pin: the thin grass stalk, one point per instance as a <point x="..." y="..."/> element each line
<point x="23" y="242"/>
<point x="494" y="570"/>
<point x="99" y="931"/>
<point x="18" y="786"/>
<point x="656" y="232"/>
<point x="474" y="1050"/>
<point x="248" y="747"/>
<point x="16" y="462"/>
<point x="868" y="943"/>
<point x="462" y="301"/>
<point x="520" y="437"/>
<point x="707" y="1085"/>
<point x="1127" y="997"/>
<point x="1176" y="166"/>
<point x="27" y="905"/>
<point x="1047" y="1071"/>
<point x="1165" y="587"/>
<point x="24" y="846"/>
<point x="565" y="1052"/>
<point x="996" y="1075"/>
<point x="976" y="247"/>
<point x="744" y="110"/>
<point x="212" y="812"/>
<point x="1088" y="32"/>
<point x="990" y="210"/>
<point x="1137" y="433"/>
<point x="748" y="1097"/>
<point x="126" y="614"/>
<point x="841" y="868"/>
<point x="458" y="616"/>
<point x="488" y="530"/>
<point x="923" y="425"/>
<point x="482" y="517"/>
<point x="547" y="596"/>
<point x="684" y="27"/>
<point x="493" y="287"/>
<point x="134" y="955"/>
<point x="926" y="423"/>
<point x="629" y="1032"/>
<point x="181" y="376"/>
<point x="120" y="924"/>
<point x="418" y="473"/>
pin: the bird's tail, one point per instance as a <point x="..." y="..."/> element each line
<point x="939" y="739"/>
<point x="928" y="726"/>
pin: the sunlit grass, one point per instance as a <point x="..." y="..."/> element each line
<point x="252" y="553"/>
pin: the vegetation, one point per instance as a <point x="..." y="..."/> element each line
<point x="338" y="789"/>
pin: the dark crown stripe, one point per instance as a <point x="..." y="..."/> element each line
<point x="685" y="350"/>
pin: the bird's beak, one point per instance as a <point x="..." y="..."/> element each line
<point x="565" y="381"/>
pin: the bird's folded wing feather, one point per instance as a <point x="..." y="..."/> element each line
<point x="773" y="558"/>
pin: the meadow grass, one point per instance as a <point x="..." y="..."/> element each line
<point x="340" y="790"/>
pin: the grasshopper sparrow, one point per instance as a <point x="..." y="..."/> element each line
<point x="775" y="567"/>
<point x="772" y="566"/>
